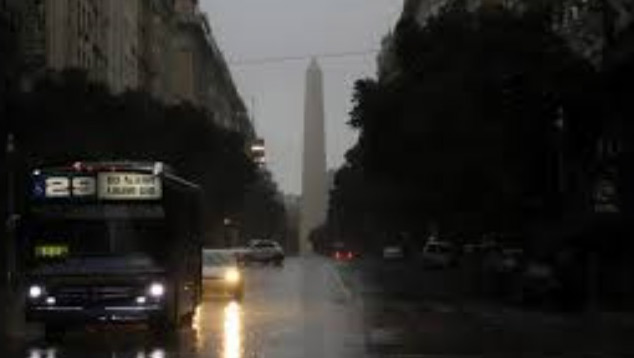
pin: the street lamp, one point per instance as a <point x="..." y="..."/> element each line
<point x="258" y="151"/>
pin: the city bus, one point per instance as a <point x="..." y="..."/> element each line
<point x="111" y="242"/>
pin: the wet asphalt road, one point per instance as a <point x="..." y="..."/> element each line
<point x="316" y="308"/>
<point x="301" y="310"/>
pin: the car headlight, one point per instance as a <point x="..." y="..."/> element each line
<point x="36" y="291"/>
<point x="157" y="290"/>
<point x="232" y="276"/>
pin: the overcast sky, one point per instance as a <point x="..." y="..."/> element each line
<point x="248" y="30"/>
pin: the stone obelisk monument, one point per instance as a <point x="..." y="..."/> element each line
<point x="314" y="202"/>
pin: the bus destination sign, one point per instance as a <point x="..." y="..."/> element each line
<point x="106" y="186"/>
<point x="129" y="186"/>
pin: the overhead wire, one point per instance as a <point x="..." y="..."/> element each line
<point x="280" y="59"/>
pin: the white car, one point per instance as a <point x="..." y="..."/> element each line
<point x="264" y="251"/>
<point x="221" y="274"/>
<point x="439" y="254"/>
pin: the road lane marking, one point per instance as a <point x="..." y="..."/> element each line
<point x="340" y="282"/>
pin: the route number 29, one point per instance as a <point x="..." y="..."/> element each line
<point x="62" y="187"/>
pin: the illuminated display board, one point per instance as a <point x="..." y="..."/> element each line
<point x="98" y="186"/>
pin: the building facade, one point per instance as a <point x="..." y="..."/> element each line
<point x="156" y="34"/>
<point x="11" y="18"/>
<point x="200" y="73"/>
<point x="593" y="28"/>
<point x="98" y="36"/>
<point x="122" y="40"/>
<point x="163" y="47"/>
<point x="75" y="36"/>
<point x="11" y="14"/>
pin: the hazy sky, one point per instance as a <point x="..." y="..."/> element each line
<point x="248" y="30"/>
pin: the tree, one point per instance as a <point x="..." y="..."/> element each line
<point x="263" y="214"/>
<point x="65" y="118"/>
<point x="466" y="136"/>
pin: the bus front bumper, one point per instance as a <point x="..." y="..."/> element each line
<point x="80" y="314"/>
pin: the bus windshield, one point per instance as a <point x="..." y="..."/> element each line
<point x="53" y="240"/>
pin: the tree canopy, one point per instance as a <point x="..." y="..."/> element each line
<point x="263" y="214"/>
<point x="468" y="132"/>
<point x="65" y="117"/>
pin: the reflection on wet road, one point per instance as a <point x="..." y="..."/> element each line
<point x="300" y="310"/>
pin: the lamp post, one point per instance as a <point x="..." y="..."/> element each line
<point x="11" y="217"/>
<point x="231" y="232"/>
<point x="13" y="306"/>
<point x="560" y="124"/>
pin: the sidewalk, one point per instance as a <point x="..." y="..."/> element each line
<point x="483" y="329"/>
<point x="12" y="325"/>
<point x="412" y="312"/>
<point x="7" y="342"/>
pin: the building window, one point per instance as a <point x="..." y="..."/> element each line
<point x="574" y="13"/>
<point x="609" y="147"/>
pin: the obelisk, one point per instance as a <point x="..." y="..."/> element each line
<point x="314" y="200"/>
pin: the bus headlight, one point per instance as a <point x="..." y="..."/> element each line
<point x="36" y="291"/>
<point x="157" y="290"/>
<point x="232" y="276"/>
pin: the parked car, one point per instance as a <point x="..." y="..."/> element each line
<point x="511" y="260"/>
<point x="472" y="248"/>
<point x="481" y="247"/>
<point x="264" y="251"/>
<point x="539" y="282"/>
<point x="439" y="254"/>
<point x="393" y="252"/>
